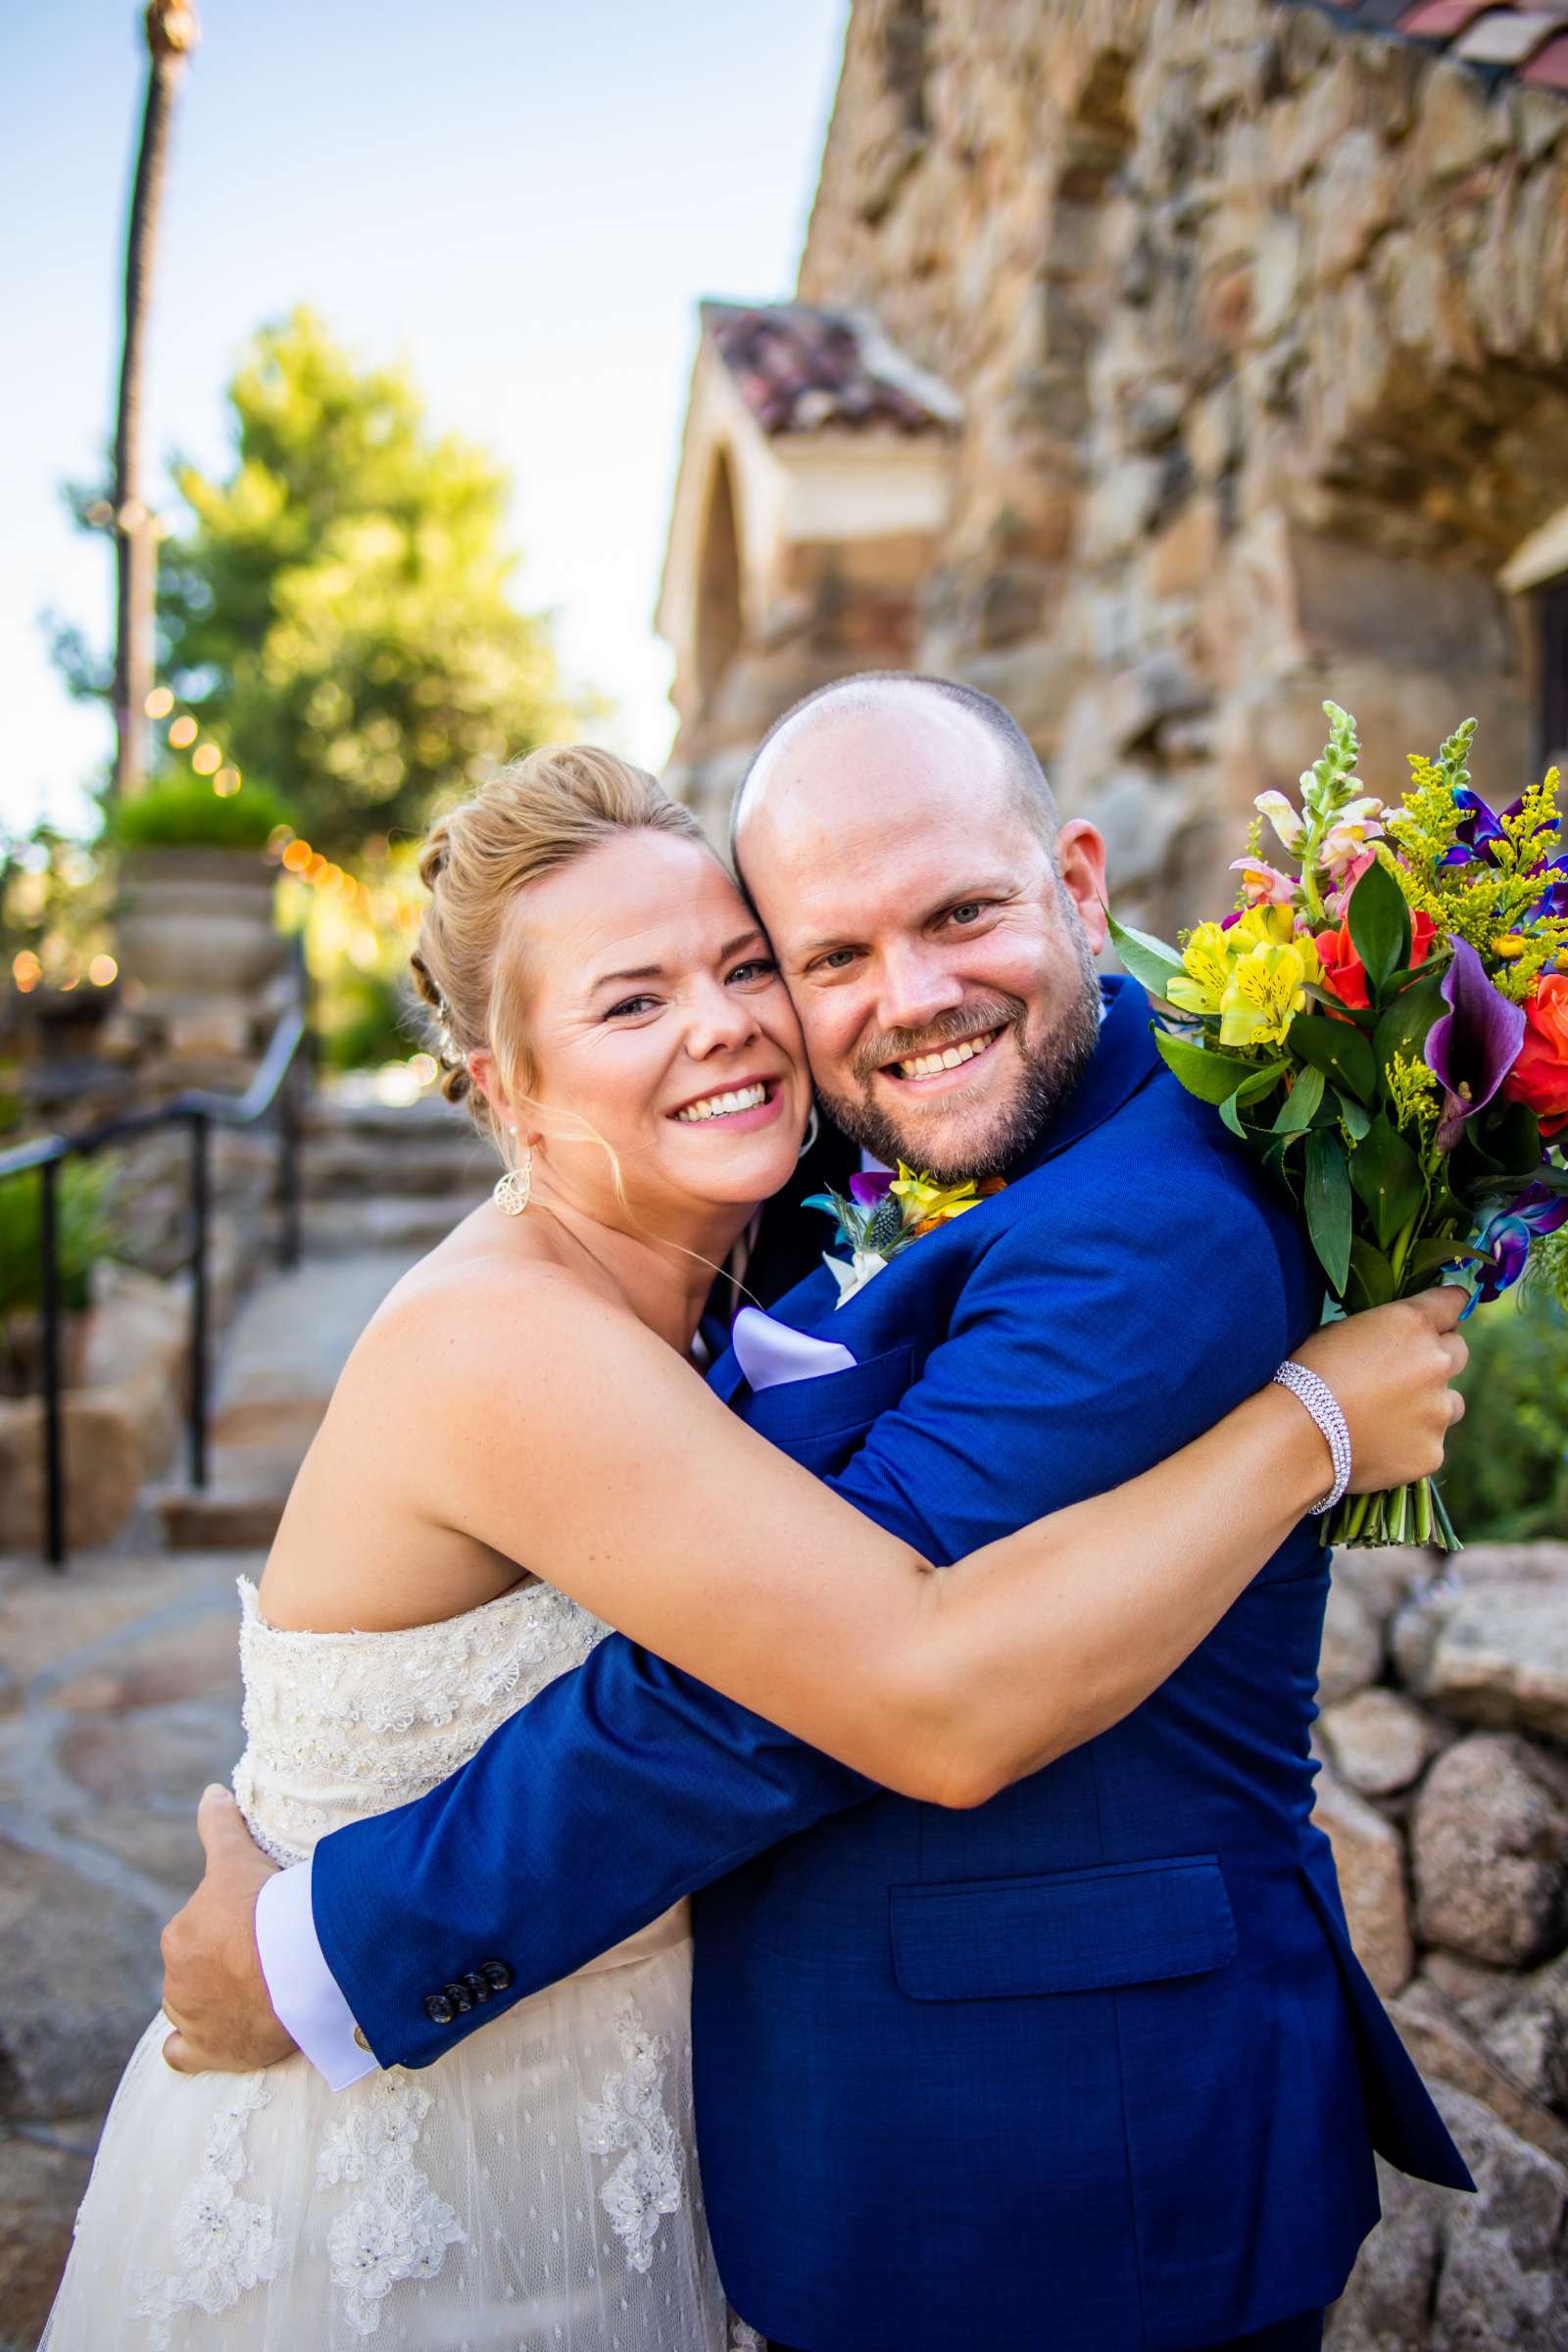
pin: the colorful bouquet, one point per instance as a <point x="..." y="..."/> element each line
<point x="1384" y="1019"/>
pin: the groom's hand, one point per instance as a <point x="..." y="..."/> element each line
<point x="214" y="1994"/>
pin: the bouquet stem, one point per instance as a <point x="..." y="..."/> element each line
<point x="1401" y="1515"/>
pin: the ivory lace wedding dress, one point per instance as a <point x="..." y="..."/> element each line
<point x="536" y="2190"/>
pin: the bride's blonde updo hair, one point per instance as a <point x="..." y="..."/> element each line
<point x="530" y="819"/>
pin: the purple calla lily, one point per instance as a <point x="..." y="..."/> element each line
<point x="870" y="1188"/>
<point x="1472" y="1047"/>
<point x="1506" y="1239"/>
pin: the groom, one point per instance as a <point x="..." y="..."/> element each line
<point x="1089" y="2066"/>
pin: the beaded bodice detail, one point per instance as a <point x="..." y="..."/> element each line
<point x="341" y="1726"/>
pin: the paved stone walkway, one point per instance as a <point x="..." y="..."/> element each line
<point x="120" y="1700"/>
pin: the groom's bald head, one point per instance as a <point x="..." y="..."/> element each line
<point x="974" y="723"/>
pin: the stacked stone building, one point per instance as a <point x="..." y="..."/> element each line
<point x="1161" y="366"/>
<point x="1165" y="367"/>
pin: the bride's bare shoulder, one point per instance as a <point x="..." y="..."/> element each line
<point x="466" y="1310"/>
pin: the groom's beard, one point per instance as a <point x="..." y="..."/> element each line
<point x="1052" y="1066"/>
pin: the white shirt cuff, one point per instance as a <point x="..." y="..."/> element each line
<point x="302" y="1989"/>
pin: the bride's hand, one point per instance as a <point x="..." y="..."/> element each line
<point x="1390" y="1367"/>
<point x="214" y="1994"/>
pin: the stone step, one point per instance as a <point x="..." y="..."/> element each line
<point x="386" y="1222"/>
<point x="221" y="1518"/>
<point x="339" y="1165"/>
<point x="335" y="1113"/>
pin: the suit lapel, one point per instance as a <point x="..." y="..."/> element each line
<point x="1123" y="1062"/>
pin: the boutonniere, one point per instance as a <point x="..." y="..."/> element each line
<point x="884" y="1213"/>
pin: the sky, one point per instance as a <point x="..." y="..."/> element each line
<point x="524" y="201"/>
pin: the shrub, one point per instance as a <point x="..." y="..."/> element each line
<point x="85" y="1236"/>
<point x="1507" y="1476"/>
<point x="184" y="812"/>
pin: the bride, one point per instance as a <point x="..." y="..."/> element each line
<point x="525" y="1394"/>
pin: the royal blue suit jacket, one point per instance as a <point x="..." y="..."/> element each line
<point x="1091" y="2067"/>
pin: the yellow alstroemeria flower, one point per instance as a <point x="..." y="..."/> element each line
<point x="1265" y="926"/>
<point x="1265" y="990"/>
<point x="1207" y="965"/>
<point x="927" y="1204"/>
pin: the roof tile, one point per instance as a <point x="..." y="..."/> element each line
<point x="1505" y="36"/>
<point x="1548" y="68"/>
<point x="799" y="368"/>
<point x="1496" y="36"/>
<point x="1442" y="19"/>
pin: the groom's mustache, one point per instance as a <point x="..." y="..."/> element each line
<point x="975" y="1019"/>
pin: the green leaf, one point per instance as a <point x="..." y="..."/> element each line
<point x="1371" y="1281"/>
<point x="1300" y="1104"/>
<point x="1339" y="1051"/>
<point x="1427" y="1258"/>
<point x="1151" y="962"/>
<point x="1358" y="1118"/>
<point x="1328" y="1205"/>
<point x="1386" y="1174"/>
<point x="1261" y="1082"/>
<point x="1379" y="926"/>
<point x="1211" y="1077"/>
<point x="1404" y="1026"/>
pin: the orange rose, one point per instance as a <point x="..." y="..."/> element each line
<point x="1539" y="1077"/>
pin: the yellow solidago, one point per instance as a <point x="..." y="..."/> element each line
<point x="1415" y="1094"/>
<point x="1490" y="900"/>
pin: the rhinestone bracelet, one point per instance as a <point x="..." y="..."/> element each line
<point x="1324" y="1407"/>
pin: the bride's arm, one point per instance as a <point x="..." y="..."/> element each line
<point x="612" y="1472"/>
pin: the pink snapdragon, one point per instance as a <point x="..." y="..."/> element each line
<point x="1348" y="835"/>
<point x="1263" y="885"/>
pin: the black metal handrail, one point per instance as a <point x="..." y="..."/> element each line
<point x="276" y="1080"/>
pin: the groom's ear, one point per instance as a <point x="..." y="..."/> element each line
<point x="1080" y="852"/>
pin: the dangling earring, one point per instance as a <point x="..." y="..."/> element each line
<point x="813" y="1128"/>
<point x="514" y="1189"/>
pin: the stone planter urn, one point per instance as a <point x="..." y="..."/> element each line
<point x="205" y="974"/>
<point x="197" y="922"/>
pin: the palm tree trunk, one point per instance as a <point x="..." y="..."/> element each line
<point x="172" y="34"/>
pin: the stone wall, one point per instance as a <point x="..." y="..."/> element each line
<point x="1444" y="1736"/>
<point x="1261" y="329"/>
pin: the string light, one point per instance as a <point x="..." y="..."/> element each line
<point x="297" y="856"/>
<point x="26" y="971"/>
<point x="182" y="732"/>
<point x="227" y="783"/>
<point x="207" y="759"/>
<point x="103" y="971"/>
<point x="158" y="703"/>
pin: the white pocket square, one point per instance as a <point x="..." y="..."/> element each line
<point x="769" y="1352"/>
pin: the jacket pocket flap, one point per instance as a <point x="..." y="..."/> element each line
<point x="834" y="1402"/>
<point x="1075" y="1931"/>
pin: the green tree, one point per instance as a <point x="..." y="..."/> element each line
<point x="336" y="614"/>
